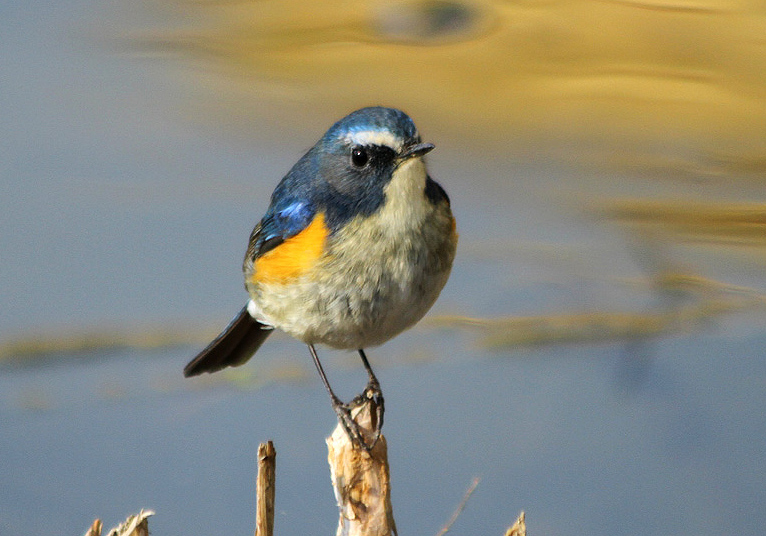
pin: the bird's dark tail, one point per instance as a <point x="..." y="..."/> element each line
<point x="233" y="347"/>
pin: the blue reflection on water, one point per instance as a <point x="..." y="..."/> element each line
<point x="550" y="431"/>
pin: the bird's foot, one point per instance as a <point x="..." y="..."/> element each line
<point x="372" y="396"/>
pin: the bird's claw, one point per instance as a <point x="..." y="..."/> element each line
<point x="374" y="395"/>
<point x="371" y="395"/>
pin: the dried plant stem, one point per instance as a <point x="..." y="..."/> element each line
<point x="361" y="479"/>
<point x="264" y="502"/>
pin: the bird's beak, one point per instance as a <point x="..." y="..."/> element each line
<point x="419" y="149"/>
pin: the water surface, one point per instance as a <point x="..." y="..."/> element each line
<point x="597" y="356"/>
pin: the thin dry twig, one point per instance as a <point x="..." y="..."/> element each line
<point x="460" y="507"/>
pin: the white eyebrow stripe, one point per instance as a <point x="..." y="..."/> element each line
<point x="374" y="137"/>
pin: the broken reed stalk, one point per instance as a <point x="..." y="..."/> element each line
<point x="136" y="525"/>
<point x="361" y="479"/>
<point x="264" y="494"/>
<point x="519" y="528"/>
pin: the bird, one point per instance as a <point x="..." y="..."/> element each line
<point x="354" y="248"/>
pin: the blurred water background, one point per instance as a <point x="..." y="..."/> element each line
<point x="597" y="356"/>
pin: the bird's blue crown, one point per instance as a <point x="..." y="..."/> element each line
<point x="388" y="123"/>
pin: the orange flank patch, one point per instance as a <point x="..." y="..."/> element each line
<point x="293" y="257"/>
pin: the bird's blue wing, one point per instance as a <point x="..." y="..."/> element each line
<point x="283" y="220"/>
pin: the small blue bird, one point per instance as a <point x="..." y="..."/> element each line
<point x="355" y="247"/>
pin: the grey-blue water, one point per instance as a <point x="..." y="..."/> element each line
<point x="125" y="206"/>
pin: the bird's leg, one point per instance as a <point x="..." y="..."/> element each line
<point x="373" y="393"/>
<point x="341" y="410"/>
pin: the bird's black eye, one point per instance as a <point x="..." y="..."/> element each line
<point x="359" y="156"/>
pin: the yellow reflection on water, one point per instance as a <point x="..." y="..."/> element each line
<point x="671" y="91"/>
<point x="637" y="70"/>
<point x="722" y="223"/>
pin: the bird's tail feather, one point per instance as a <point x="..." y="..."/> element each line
<point x="233" y="347"/>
